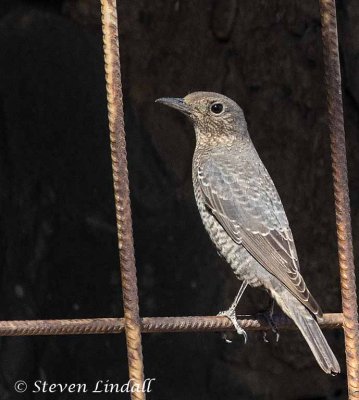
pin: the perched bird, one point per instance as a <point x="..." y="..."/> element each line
<point x="244" y="216"/>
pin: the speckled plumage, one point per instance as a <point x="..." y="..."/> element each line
<point x="244" y="216"/>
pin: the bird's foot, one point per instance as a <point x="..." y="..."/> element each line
<point x="268" y="316"/>
<point x="231" y="315"/>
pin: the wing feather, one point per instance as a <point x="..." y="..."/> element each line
<point x="244" y="200"/>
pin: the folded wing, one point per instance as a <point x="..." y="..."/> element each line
<point x="244" y="200"/>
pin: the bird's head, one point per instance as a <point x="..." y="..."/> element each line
<point x="216" y="118"/>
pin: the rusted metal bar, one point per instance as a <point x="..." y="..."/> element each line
<point x="151" y="324"/>
<point x="341" y="193"/>
<point x="122" y="197"/>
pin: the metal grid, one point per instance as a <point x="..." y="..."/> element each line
<point x="132" y="324"/>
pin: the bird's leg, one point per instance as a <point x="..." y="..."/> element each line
<point x="268" y="315"/>
<point x="231" y="313"/>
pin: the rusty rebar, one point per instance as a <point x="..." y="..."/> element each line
<point x="122" y="196"/>
<point x="341" y="193"/>
<point x="151" y="325"/>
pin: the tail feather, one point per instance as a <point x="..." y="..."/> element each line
<point x="310" y="330"/>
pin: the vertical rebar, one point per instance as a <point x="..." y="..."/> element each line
<point x="341" y="193"/>
<point x="122" y="197"/>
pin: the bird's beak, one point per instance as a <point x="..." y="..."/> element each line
<point x="177" y="103"/>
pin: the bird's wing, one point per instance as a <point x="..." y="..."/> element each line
<point x="244" y="200"/>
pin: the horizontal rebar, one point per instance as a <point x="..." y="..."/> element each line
<point x="152" y="324"/>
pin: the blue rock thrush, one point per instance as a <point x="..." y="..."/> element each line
<point x="244" y="216"/>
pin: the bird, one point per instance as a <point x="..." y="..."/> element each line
<point x="244" y="216"/>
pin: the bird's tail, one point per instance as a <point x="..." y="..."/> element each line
<point x="310" y="330"/>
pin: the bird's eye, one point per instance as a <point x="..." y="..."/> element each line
<point x="217" y="108"/>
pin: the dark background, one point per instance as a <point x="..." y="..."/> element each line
<point x="58" y="238"/>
